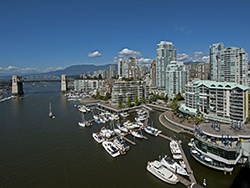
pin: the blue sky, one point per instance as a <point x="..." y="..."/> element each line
<point x="38" y="36"/>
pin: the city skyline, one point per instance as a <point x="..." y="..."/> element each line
<point x="51" y="35"/>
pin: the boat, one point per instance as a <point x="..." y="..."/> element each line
<point x="141" y="118"/>
<point x="175" y="150"/>
<point x="95" y="116"/>
<point x="136" y="134"/>
<point x="124" y="114"/>
<point x="81" y="123"/>
<point x="88" y="123"/>
<point x="116" y="117"/>
<point x="191" y="143"/>
<point x="51" y="115"/>
<point x="122" y="128"/>
<point x="182" y="163"/>
<point x="161" y="172"/>
<point x="121" y="144"/>
<point x="87" y="109"/>
<point x="111" y="148"/>
<point x="102" y="120"/>
<point x="107" y="133"/>
<point x="152" y="130"/>
<point x="98" y="137"/>
<point x="169" y="163"/>
<point x="142" y="112"/>
<point x="117" y="130"/>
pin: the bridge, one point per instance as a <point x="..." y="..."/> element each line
<point x="17" y="82"/>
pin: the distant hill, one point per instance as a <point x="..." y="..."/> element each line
<point x="78" y="69"/>
<point x="70" y="71"/>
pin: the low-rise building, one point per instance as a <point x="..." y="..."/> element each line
<point x="221" y="101"/>
<point x="87" y="85"/>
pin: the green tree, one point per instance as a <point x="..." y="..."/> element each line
<point x="166" y="98"/>
<point x="97" y="92"/>
<point x="129" y="102"/>
<point x="174" y="106"/>
<point x="120" y="104"/>
<point x="136" y="101"/>
<point x="99" y="76"/>
<point x="143" y="100"/>
<point x="105" y="98"/>
<point x="108" y="95"/>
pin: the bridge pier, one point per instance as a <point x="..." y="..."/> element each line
<point x="17" y="85"/>
<point x="64" y="83"/>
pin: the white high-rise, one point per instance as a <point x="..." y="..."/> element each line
<point x="165" y="54"/>
<point x="214" y="57"/>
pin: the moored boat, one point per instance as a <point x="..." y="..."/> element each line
<point x="136" y="134"/>
<point x="111" y="148"/>
<point x="175" y="150"/>
<point x="98" y="137"/>
<point x="158" y="170"/>
<point x="152" y="130"/>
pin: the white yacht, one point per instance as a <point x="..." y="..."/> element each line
<point x="122" y="128"/>
<point x="87" y="109"/>
<point x="111" y="148"/>
<point x="121" y="144"/>
<point x="106" y="132"/>
<point x="141" y="118"/>
<point x="81" y="123"/>
<point x="173" y="166"/>
<point x="95" y="117"/>
<point x="175" y="150"/>
<point x="157" y="169"/>
<point x="152" y="130"/>
<point x="136" y="134"/>
<point x="124" y="114"/>
<point x="98" y="137"/>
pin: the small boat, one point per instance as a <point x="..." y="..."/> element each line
<point x="117" y="130"/>
<point x="124" y="114"/>
<point x="182" y="163"/>
<point x="95" y="117"/>
<point x="88" y="123"/>
<point x="102" y="120"/>
<point x="191" y="143"/>
<point x="136" y="134"/>
<point x="51" y="115"/>
<point x="111" y="148"/>
<point x="98" y="137"/>
<point x="157" y="169"/>
<point x="87" y="109"/>
<point x="141" y="118"/>
<point x="107" y="133"/>
<point x="169" y="163"/>
<point x="121" y="144"/>
<point x="175" y="150"/>
<point x="122" y="128"/>
<point x="81" y="123"/>
<point x="152" y="130"/>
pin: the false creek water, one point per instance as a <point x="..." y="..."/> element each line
<point x="36" y="151"/>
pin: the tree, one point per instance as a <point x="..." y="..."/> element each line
<point x="120" y="104"/>
<point x="174" y="106"/>
<point x="97" y="92"/>
<point x="143" y="100"/>
<point x="99" y="76"/>
<point x="129" y="102"/>
<point x="136" y="101"/>
<point x="166" y="98"/>
<point x="105" y="98"/>
<point x="108" y="95"/>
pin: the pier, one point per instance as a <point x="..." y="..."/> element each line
<point x="189" y="170"/>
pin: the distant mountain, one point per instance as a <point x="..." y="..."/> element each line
<point x="78" y="69"/>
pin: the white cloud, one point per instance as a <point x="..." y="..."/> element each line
<point x="184" y="57"/>
<point x="146" y="61"/>
<point x="95" y="54"/>
<point x="127" y="52"/>
<point x="205" y="59"/>
<point x="59" y="68"/>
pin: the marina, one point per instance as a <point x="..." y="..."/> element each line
<point x="58" y="146"/>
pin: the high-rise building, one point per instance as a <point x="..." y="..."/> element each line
<point x="153" y="73"/>
<point x="203" y="71"/>
<point x="233" y="65"/>
<point x="214" y="57"/>
<point x="129" y="63"/>
<point x="120" y="67"/>
<point x="165" y="54"/>
<point x="112" y="71"/>
<point x="176" y="78"/>
<point x="143" y="71"/>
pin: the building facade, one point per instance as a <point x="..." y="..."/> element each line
<point x="122" y="90"/>
<point x="153" y="73"/>
<point x="233" y="65"/>
<point x="120" y="67"/>
<point x="165" y="54"/>
<point x="221" y="101"/>
<point x="214" y="58"/>
<point x="112" y="71"/>
<point x="87" y="85"/>
<point x="203" y="71"/>
<point x="176" y="78"/>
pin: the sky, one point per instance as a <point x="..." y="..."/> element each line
<point x="41" y="36"/>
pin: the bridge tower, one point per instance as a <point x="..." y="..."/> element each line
<point x="17" y="85"/>
<point x="64" y="83"/>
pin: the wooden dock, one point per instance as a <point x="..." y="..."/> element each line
<point x="131" y="142"/>
<point x="189" y="170"/>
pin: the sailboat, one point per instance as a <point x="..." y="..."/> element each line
<point x="82" y="123"/>
<point x="51" y="115"/>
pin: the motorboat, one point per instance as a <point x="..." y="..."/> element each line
<point x="81" y="123"/>
<point x="136" y="134"/>
<point x="182" y="163"/>
<point x="102" y="120"/>
<point x="122" y="128"/>
<point x="169" y="163"/>
<point x="142" y="112"/>
<point x="82" y="109"/>
<point x="51" y="115"/>
<point x="117" y="130"/>
<point x="124" y="114"/>
<point x="95" y="117"/>
<point x="87" y="109"/>
<point x="152" y="130"/>
<point x="98" y="137"/>
<point x="111" y="148"/>
<point x="121" y="144"/>
<point x="141" y="118"/>
<point x="161" y="172"/>
<point x="175" y="150"/>
<point x="191" y="142"/>
<point x="116" y="117"/>
<point x="106" y="132"/>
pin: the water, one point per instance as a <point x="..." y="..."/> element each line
<point x="36" y="151"/>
